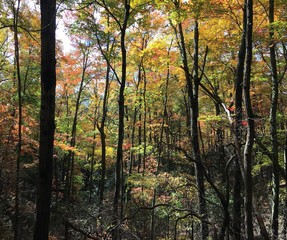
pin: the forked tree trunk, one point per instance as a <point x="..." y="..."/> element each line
<point x="193" y="81"/>
<point x="101" y="127"/>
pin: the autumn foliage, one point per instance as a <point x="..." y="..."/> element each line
<point x="146" y="67"/>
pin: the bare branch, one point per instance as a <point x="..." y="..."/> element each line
<point x="78" y="229"/>
<point x="204" y="63"/>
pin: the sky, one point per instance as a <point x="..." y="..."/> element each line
<point x="62" y="36"/>
<point x="60" y="31"/>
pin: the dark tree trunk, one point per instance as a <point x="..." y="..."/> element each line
<point x="103" y="136"/>
<point x="237" y="198"/>
<point x="121" y="102"/>
<point x="194" y="134"/>
<point x="144" y="119"/>
<point x="17" y="234"/>
<point x="133" y="140"/>
<point x="47" y="118"/>
<point x="273" y="125"/>
<point x="101" y="126"/>
<point x="91" y="180"/>
<point x="140" y="121"/>
<point x="248" y="150"/>
<point x="193" y="81"/>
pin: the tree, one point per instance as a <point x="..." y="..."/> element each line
<point x="193" y="78"/>
<point x="238" y="130"/>
<point x="69" y="187"/>
<point x="19" y="82"/>
<point x="106" y="51"/>
<point x="121" y="101"/>
<point x="248" y="188"/>
<point x="47" y="118"/>
<point x="273" y="124"/>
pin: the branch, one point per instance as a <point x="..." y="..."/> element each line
<point x="269" y="154"/>
<point x="104" y="5"/>
<point x="176" y="222"/>
<point x="191" y="213"/>
<point x="106" y="57"/>
<point x="78" y="229"/>
<point x="208" y="179"/>
<point x="285" y="57"/>
<point x="204" y="63"/>
<point x="264" y="148"/>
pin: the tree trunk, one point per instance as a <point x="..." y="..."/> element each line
<point x="237" y="198"/>
<point x="193" y="81"/>
<point x="194" y="135"/>
<point x="101" y="129"/>
<point x="273" y="125"/>
<point x="133" y="140"/>
<point x="17" y="227"/>
<point x="132" y="154"/>
<point x="91" y="180"/>
<point x="248" y="150"/>
<point x="140" y="122"/>
<point x="47" y="118"/>
<point x="69" y="187"/>
<point x="101" y="126"/>
<point x="121" y="103"/>
<point x="144" y="120"/>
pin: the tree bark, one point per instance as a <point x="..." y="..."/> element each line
<point x="237" y="198"/>
<point x="248" y="150"/>
<point x="121" y="130"/>
<point x="273" y="125"/>
<point x="144" y="119"/>
<point x="91" y="180"/>
<point x="193" y="81"/>
<point x="19" y="146"/>
<point x="101" y="126"/>
<point x="101" y="129"/>
<point x="47" y="118"/>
